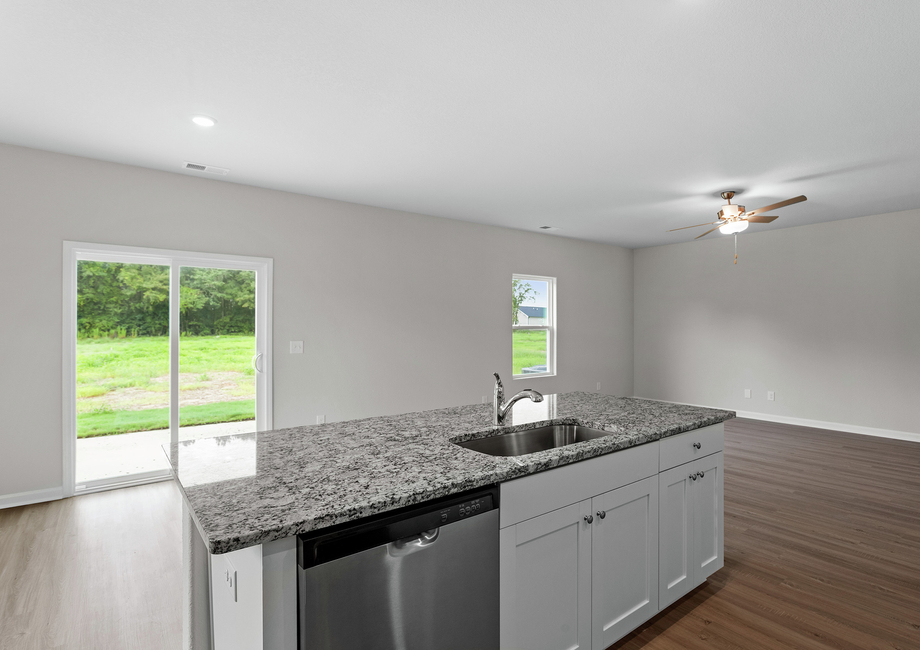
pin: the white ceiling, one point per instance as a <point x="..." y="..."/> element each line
<point x="613" y="120"/>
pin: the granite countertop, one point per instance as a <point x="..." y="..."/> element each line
<point x="253" y="488"/>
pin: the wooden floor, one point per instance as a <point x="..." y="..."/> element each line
<point x="101" y="571"/>
<point x="822" y="547"/>
<point x="822" y="550"/>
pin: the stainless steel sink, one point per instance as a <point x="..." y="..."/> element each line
<point x="518" y="443"/>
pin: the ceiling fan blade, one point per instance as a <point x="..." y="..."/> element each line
<point x="708" y="231"/>
<point x="781" y="204"/>
<point x="696" y="226"/>
<point x="760" y="219"/>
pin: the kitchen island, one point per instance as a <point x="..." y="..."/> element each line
<point x="249" y="495"/>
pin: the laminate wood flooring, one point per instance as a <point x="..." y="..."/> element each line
<point x="101" y="571"/>
<point x="822" y="547"/>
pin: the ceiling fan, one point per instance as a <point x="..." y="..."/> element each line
<point x="733" y="218"/>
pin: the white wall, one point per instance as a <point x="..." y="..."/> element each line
<point x="827" y="316"/>
<point x="329" y="258"/>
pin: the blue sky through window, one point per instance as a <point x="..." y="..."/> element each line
<point x="538" y="298"/>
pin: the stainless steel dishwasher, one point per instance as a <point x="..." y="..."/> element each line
<point x="421" y="578"/>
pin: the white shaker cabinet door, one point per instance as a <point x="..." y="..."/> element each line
<point x="675" y="534"/>
<point x="690" y="529"/>
<point x="708" y="533"/>
<point x="624" y="560"/>
<point x="545" y="585"/>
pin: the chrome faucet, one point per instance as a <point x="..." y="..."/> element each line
<point x="499" y="410"/>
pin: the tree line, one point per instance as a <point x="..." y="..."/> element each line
<point x="115" y="299"/>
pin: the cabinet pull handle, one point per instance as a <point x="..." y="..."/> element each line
<point x="693" y="477"/>
<point x="601" y="513"/>
<point x="702" y="474"/>
<point x="589" y="519"/>
<point x="697" y="445"/>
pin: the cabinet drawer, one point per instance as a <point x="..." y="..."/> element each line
<point x="536" y="494"/>
<point x="684" y="447"/>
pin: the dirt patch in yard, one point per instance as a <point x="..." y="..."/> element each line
<point x="193" y="389"/>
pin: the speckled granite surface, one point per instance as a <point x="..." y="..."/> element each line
<point x="253" y="488"/>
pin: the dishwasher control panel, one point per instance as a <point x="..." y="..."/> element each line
<point x="466" y="509"/>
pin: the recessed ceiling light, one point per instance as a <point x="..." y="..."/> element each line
<point x="204" y="120"/>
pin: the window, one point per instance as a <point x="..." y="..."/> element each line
<point x="533" y="325"/>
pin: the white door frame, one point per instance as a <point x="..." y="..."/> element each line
<point x="75" y="251"/>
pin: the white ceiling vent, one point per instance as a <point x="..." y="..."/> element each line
<point x="209" y="169"/>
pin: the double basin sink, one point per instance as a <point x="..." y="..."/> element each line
<point x="529" y="441"/>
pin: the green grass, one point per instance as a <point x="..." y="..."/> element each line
<point x="103" y="422"/>
<point x="105" y="365"/>
<point x="528" y="349"/>
<point x="204" y="354"/>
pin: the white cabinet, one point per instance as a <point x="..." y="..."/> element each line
<point x="545" y="592"/>
<point x="624" y="560"/>
<point x="571" y="578"/>
<point x="583" y="575"/>
<point x="691" y="526"/>
<point x="708" y="520"/>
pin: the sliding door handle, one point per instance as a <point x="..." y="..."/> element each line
<point x="255" y="362"/>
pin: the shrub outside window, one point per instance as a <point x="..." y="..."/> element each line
<point x="533" y="326"/>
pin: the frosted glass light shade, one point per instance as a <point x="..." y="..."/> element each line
<point x="733" y="227"/>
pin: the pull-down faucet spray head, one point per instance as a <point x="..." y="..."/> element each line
<point x="500" y="410"/>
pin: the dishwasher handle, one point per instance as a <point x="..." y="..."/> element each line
<point x="409" y="545"/>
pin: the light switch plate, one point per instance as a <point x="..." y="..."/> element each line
<point x="296" y="347"/>
<point x="747" y="393"/>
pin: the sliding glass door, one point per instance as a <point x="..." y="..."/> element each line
<point x="219" y="362"/>
<point x="159" y="346"/>
<point x="122" y="369"/>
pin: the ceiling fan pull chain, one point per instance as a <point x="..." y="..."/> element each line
<point x="736" y="248"/>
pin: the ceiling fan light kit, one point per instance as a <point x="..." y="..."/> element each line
<point x="734" y="218"/>
<point x="733" y="227"/>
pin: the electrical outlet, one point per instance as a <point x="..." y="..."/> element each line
<point x="230" y="580"/>
<point x="484" y="399"/>
<point x="771" y="396"/>
<point x="296" y="347"/>
<point x="747" y="393"/>
<point x="321" y="419"/>
<point x="598" y="387"/>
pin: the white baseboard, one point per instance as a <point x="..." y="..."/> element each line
<point x="28" y="498"/>
<point x="833" y="426"/>
<point x="53" y="494"/>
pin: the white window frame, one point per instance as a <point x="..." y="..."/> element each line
<point x="174" y="259"/>
<point x="549" y="327"/>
